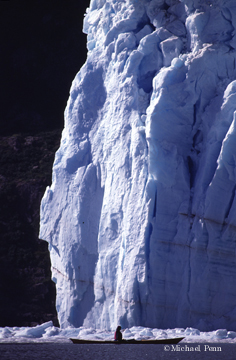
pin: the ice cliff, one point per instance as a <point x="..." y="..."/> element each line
<point x="140" y="217"/>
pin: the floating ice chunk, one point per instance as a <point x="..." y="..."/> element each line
<point x="53" y="334"/>
<point x="71" y="332"/>
<point x="231" y="334"/>
<point x="160" y="334"/>
<point x="137" y="329"/>
<point x="85" y="332"/>
<point x="221" y="333"/>
<point x="34" y="332"/>
<point x="128" y="334"/>
<point x="179" y="330"/>
<point x="5" y="333"/>
<point x="192" y="331"/>
<point x="146" y="332"/>
<point x="51" y="331"/>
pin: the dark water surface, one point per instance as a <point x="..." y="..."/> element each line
<point x="51" y="351"/>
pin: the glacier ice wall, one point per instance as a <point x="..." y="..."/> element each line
<point x="140" y="217"/>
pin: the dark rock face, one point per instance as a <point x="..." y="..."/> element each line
<point x="42" y="48"/>
<point x="27" y="292"/>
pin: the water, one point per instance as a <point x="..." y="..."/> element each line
<point x="51" y="351"/>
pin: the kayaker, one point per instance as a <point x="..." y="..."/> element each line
<point x="118" y="335"/>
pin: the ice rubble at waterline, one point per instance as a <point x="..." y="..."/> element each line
<point x="140" y="217"/>
<point x="48" y="333"/>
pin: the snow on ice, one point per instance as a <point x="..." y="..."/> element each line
<point x="140" y="217"/>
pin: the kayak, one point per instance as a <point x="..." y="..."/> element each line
<point x="130" y="341"/>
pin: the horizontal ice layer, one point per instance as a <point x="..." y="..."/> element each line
<point x="140" y="215"/>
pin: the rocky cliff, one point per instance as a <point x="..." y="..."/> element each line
<point x="27" y="292"/>
<point x="42" y="49"/>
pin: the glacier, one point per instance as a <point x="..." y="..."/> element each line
<point x="140" y="217"/>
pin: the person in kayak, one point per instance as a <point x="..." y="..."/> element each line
<point x="118" y="335"/>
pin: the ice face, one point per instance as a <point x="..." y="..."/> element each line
<point x="140" y="217"/>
